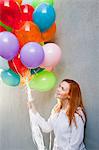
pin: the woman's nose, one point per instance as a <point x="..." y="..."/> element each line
<point x="59" y="89"/>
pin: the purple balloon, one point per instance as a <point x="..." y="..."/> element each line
<point x="9" y="45"/>
<point x="32" y="55"/>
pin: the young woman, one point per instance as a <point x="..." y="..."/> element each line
<point x="67" y="119"/>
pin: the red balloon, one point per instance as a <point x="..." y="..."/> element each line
<point x="2" y="29"/>
<point x="10" y="13"/>
<point x="27" y="11"/>
<point x="17" y="66"/>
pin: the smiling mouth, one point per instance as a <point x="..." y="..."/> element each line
<point x="58" y="94"/>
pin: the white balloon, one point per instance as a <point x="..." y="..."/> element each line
<point x="3" y="64"/>
<point x="52" y="55"/>
<point x="27" y="2"/>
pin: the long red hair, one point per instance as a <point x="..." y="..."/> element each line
<point x="75" y="102"/>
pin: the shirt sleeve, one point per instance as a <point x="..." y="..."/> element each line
<point x="46" y="126"/>
<point x="77" y="134"/>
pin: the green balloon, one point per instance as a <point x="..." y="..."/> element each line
<point x="38" y="2"/>
<point x="44" y="81"/>
<point x="10" y="78"/>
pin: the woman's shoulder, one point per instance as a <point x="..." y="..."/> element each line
<point x="79" y="114"/>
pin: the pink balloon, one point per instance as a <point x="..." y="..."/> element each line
<point x="52" y="55"/>
<point x="49" y="68"/>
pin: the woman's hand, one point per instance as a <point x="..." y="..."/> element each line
<point x="31" y="106"/>
<point x="56" y="108"/>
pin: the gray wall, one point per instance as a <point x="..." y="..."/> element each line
<point x="77" y="35"/>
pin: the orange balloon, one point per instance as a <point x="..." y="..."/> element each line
<point x="29" y="32"/>
<point x="49" y="34"/>
<point x="18" y="1"/>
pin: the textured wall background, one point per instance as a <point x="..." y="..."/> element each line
<point x="77" y="35"/>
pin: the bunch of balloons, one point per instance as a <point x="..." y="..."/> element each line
<point x="26" y="29"/>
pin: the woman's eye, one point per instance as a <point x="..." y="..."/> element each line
<point x="62" y="88"/>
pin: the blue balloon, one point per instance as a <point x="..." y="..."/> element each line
<point x="44" y="16"/>
<point x="4" y="64"/>
<point x="27" y="2"/>
<point x="10" y="78"/>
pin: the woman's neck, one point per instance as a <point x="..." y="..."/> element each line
<point x="65" y="105"/>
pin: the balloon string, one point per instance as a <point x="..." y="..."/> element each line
<point x="38" y="69"/>
<point x="35" y="72"/>
<point x="29" y="94"/>
<point x="16" y="68"/>
<point x="50" y="143"/>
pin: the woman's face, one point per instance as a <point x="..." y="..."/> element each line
<point x="62" y="90"/>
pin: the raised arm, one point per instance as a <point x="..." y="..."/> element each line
<point x="46" y="126"/>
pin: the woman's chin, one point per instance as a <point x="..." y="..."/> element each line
<point x="57" y="96"/>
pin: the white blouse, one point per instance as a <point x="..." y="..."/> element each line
<point x="66" y="137"/>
